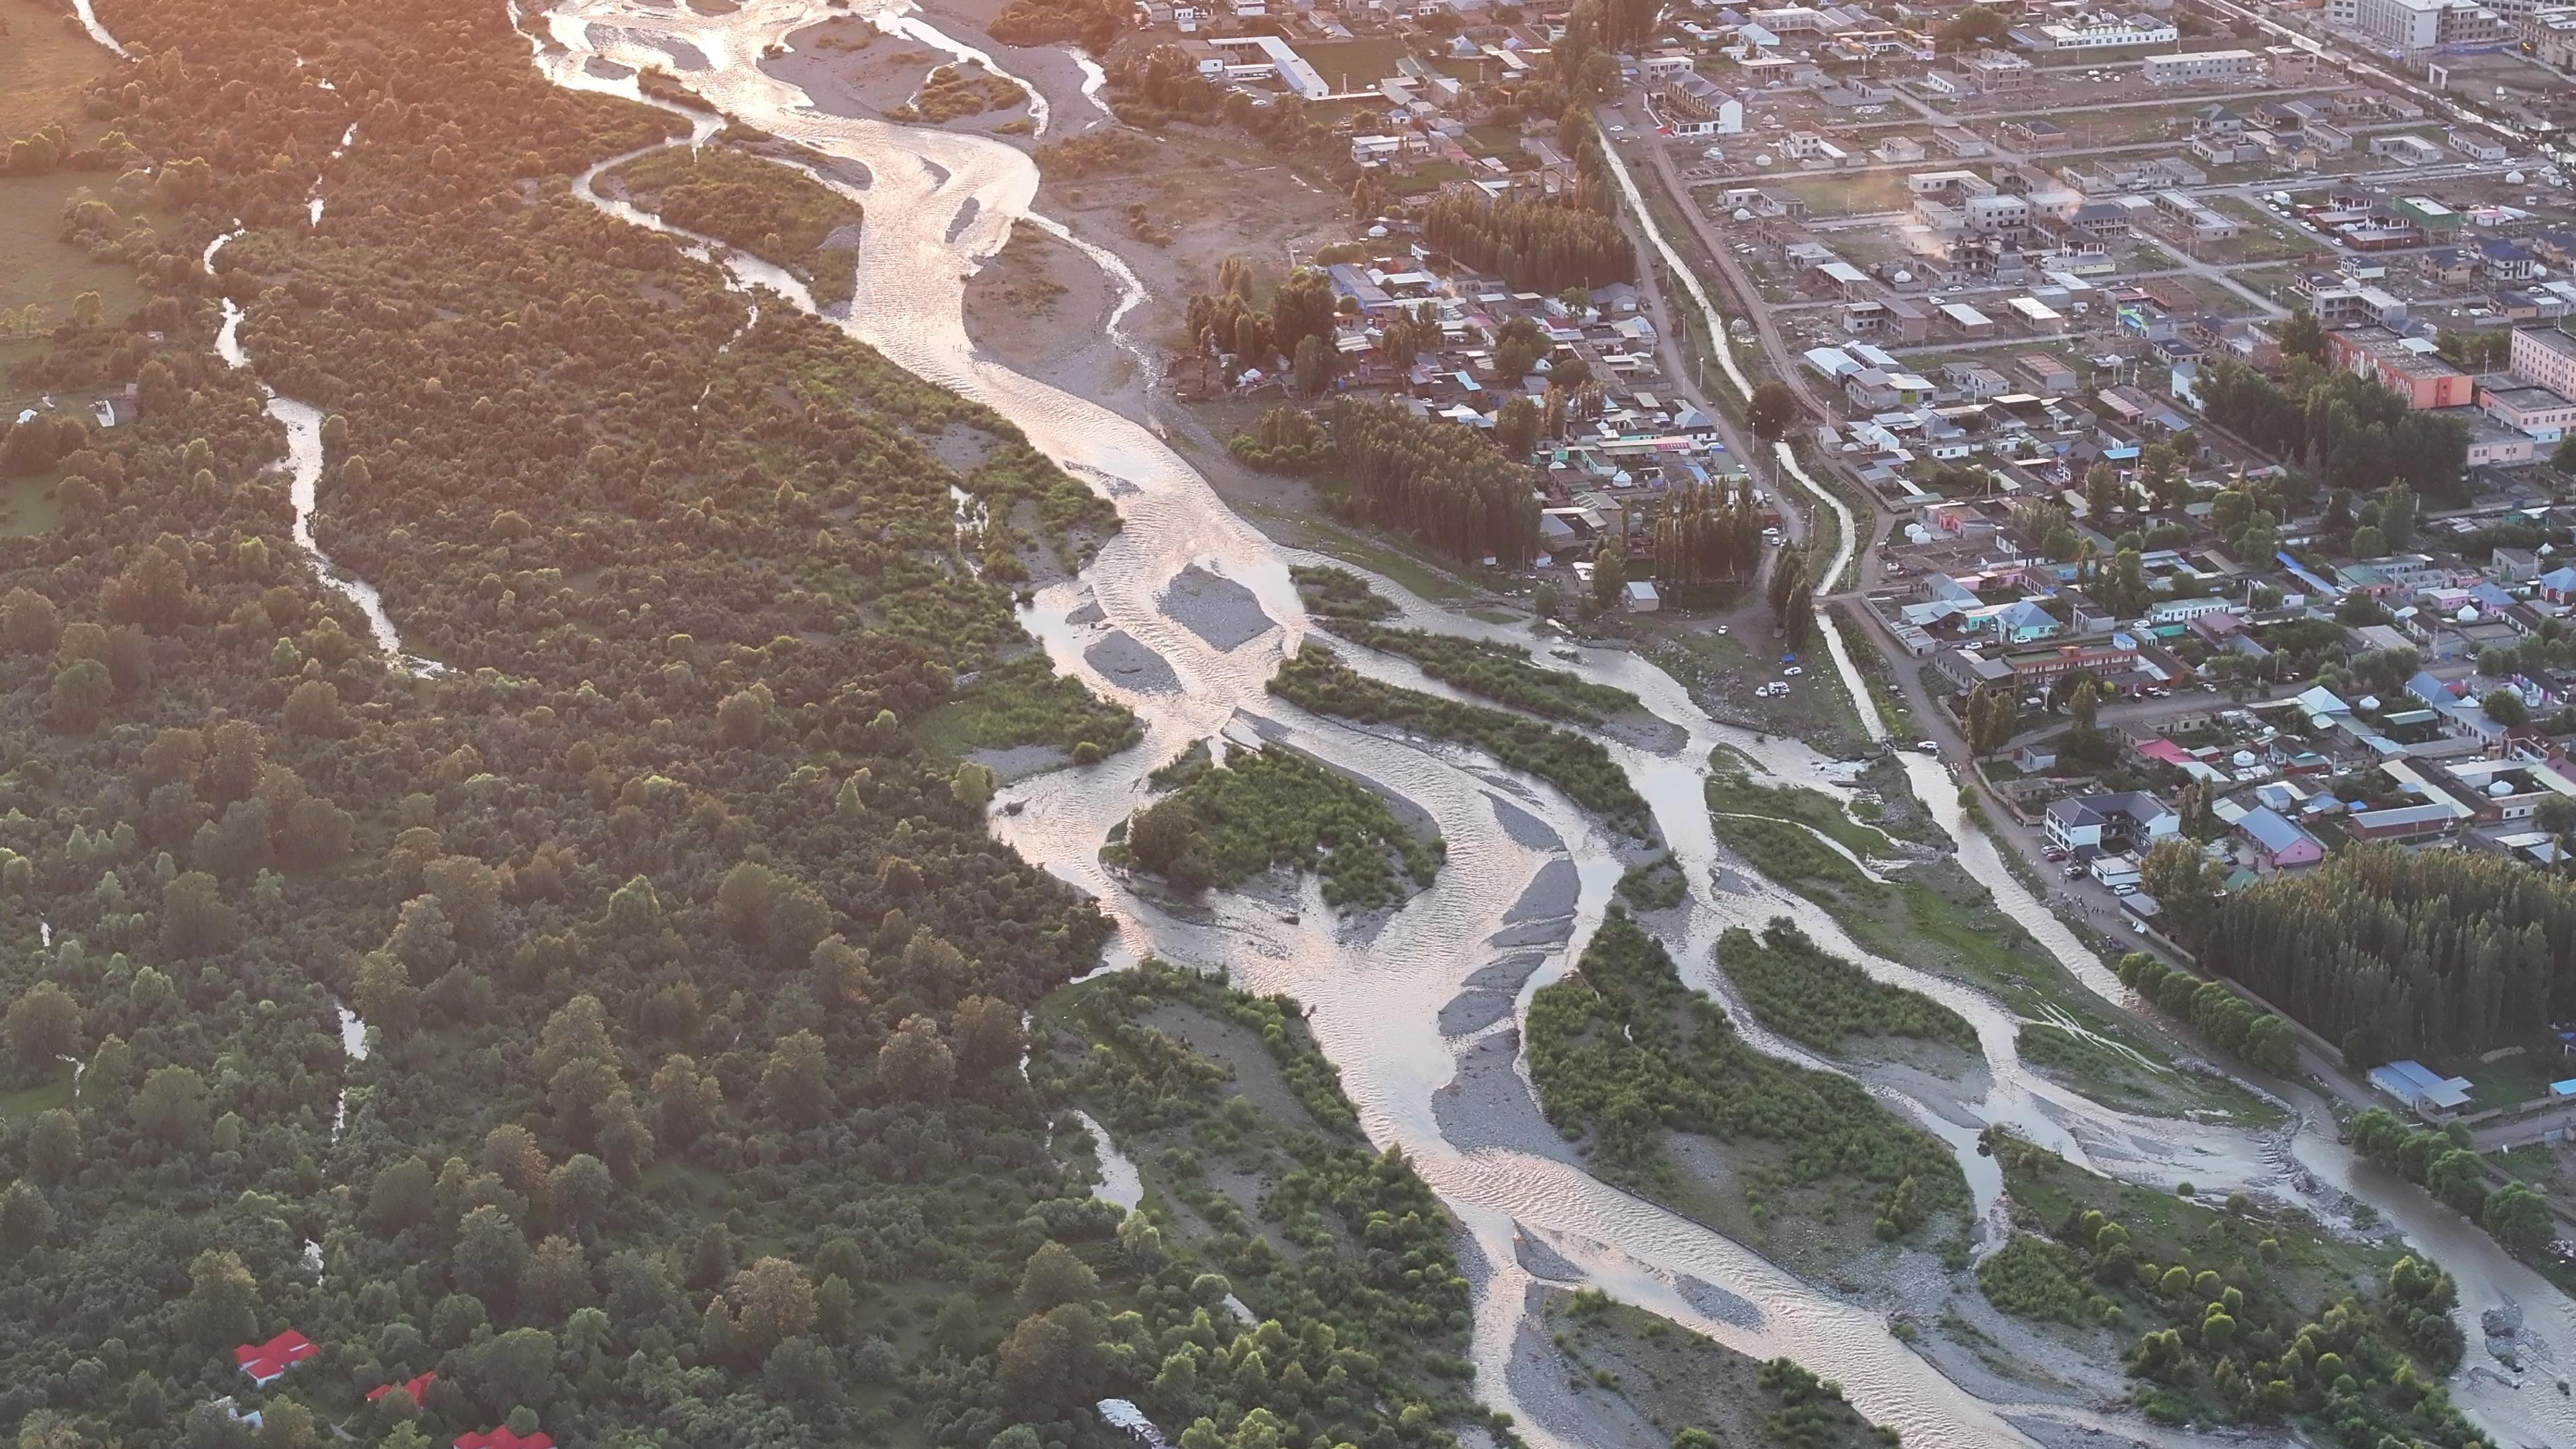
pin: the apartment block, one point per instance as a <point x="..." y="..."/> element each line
<point x="2542" y="357"/>
<point x="2405" y="366"/>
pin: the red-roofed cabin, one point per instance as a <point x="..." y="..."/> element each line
<point x="418" y="1389"/>
<point x="502" y="1438"/>
<point x="268" y="1362"/>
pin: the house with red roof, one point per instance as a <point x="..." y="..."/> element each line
<point x="268" y="1362"/>
<point x="417" y="1389"/>
<point x="502" y="1438"/>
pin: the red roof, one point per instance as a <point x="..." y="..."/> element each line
<point x="264" y="1362"/>
<point x="418" y="1389"/>
<point x="502" y="1438"/>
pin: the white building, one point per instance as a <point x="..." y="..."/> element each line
<point x="2192" y="67"/>
<point x="2104" y="32"/>
<point x="1299" y="77"/>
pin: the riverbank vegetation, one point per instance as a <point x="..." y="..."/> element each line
<point x="2395" y="953"/>
<point x="1733" y="791"/>
<point x="1706" y="1395"/>
<point x="2443" y="1163"/>
<point x="1814" y="997"/>
<point x="2262" y="1039"/>
<point x="1625" y="1057"/>
<point x="1936" y="916"/>
<point x="1092" y="24"/>
<point x="1316" y="679"/>
<point x="1339" y="595"/>
<point x="963" y="89"/>
<point x="1503" y="673"/>
<point x="771" y="210"/>
<point x="691" y="976"/>
<point x="1224" y="824"/>
<point x="1259" y="1186"/>
<point x="2235" y="1314"/>
<point x="1021" y="700"/>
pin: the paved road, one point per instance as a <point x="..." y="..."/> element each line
<point x="1748" y="296"/>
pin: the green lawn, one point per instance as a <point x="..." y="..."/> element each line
<point x="27" y="505"/>
<point x="2514" y="1079"/>
<point x="1349" y="65"/>
<point x="42" y="269"/>
<point x="21" y="1105"/>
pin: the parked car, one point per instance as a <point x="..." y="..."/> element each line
<point x="2053" y="853"/>
<point x="2075" y="872"/>
<point x="1794" y="670"/>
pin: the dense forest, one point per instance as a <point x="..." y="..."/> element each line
<point x="1442" y="484"/>
<point x="2392" y="953"/>
<point x="1626" y="1054"/>
<point x="692" y="980"/>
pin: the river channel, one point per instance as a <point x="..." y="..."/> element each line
<point x="1528" y="875"/>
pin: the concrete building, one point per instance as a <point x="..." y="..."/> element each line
<point x="2196" y="67"/>
<point x="2106" y="32"/>
<point x="2536" y="412"/>
<point x="1294" y="73"/>
<point x="1693" y="105"/>
<point x="2413" y="25"/>
<point x="2406" y="366"/>
<point x="1997" y="213"/>
<point x="2543" y="357"/>
<point x="2082" y="823"/>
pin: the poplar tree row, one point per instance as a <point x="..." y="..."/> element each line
<point x="2392" y="953"/>
<point x="1442" y="484"/>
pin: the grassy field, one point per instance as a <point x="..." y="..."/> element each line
<point x="2514" y="1079"/>
<point x="44" y="61"/>
<point x="2258" y="244"/>
<point x="21" y="1106"/>
<point x="1379" y="555"/>
<point x="1862" y="194"/>
<point x="43" y="270"/>
<point x="1723" y="669"/>
<point x="1355" y="64"/>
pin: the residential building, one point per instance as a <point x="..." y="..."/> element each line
<point x="2401" y="823"/>
<point x="266" y="1363"/>
<point x="1693" y="105"/>
<point x="2198" y="67"/>
<point x="2278" y="842"/>
<point x="2537" y="412"/>
<point x="2544" y="357"/>
<point x="2407" y="366"/>
<point x="2084" y="824"/>
<point x="1998" y="72"/>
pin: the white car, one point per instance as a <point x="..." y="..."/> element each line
<point x="1793" y="671"/>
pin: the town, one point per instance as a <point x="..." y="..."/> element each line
<point x="2203" y="378"/>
